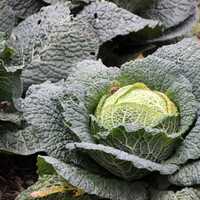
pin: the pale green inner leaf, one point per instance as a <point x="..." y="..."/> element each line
<point x="135" y="104"/>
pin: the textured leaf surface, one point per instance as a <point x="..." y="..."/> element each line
<point x="40" y="109"/>
<point x="186" y="56"/>
<point x="97" y="185"/>
<point x="188" y="175"/>
<point x="178" y="32"/>
<point x="164" y="76"/>
<point x="7" y="17"/>
<point x="149" y="143"/>
<point x="11" y="10"/>
<point x="127" y="164"/>
<point x="44" y="130"/>
<point x="184" y="194"/>
<point x="68" y="44"/>
<point x="89" y="86"/>
<point x="29" y="35"/>
<point x="110" y="21"/>
<point x="77" y="104"/>
<point x="24" y="8"/>
<point x="172" y="12"/>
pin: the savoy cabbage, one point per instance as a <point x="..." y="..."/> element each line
<point x="62" y="120"/>
<point x="128" y="133"/>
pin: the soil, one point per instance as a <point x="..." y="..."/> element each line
<point x="16" y="174"/>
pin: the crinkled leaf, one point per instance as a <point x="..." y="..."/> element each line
<point x="188" y="175"/>
<point x="97" y="185"/>
<point x="171" y="12"/>
<point x="189" y="148"/>
<point x="44" y="130"/>
<point x="11" y="10"/>
<point x="184" y="194"/>
<point x="177" y="16"/>
<point x="40" y="110"/>
<point x="93" y="79"/>
<point x="149" y="143"/>
<point x="186" y="56"/>
<point x="18" y="141"/>
<point x="24" y="8"/>
<point x="32" y="33"/>
<point x="69" y="43"/>
<point x="77" y="104"/>
<point x="7" y="17"/>
<point x="110" y="21"/>
<point x="121" y="163"/>
<point x="178" y="32"/>
<point x="52" y="43"/>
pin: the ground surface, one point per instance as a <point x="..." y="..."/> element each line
<point x="16" y="174"/>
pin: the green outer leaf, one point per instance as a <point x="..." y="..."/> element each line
<point x="178" y="32"/>
<point x="171" y="12"/>
<point x="32" y="33"/>
<point x="186" y="56"/>
<point x="44" y="130"/>
<point x="110" y="21"/>
<point x="10" y="83"/>
<point x="70" y="42"/>
<point x="24" y="8"/>
<point x="149" y="143"/>
<point x="77" y="104"/>
<point x="97" y="185"/>
<point x="16" y="141"/>
<point x="184" y="194"/>
<point x="188" y="175"/>
<point x="7" y="17"/>
<point x="189" y="148"/>
<point x="95" y="77"/>
<point x="121" y="163"/>
<point x="41" y="111"/>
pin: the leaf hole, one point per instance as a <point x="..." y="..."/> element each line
<point x="95" y="15"/>
<point x="39" y="21"/>
<point x="92" y="53"/>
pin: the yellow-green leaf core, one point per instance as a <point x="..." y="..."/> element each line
<point x="134" y="104"/>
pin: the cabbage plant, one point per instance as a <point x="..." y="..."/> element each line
<point x="110" y="133"/>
